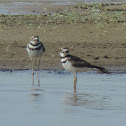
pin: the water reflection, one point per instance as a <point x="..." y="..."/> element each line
<point x="36" y="94"/>
<point x="86" y="100"/>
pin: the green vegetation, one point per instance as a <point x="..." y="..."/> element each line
<point x="100" y="14"/>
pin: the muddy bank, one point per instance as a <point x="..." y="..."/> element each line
<point x="104" y="47"/>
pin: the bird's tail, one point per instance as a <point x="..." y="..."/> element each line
<point x="102" y="69"/>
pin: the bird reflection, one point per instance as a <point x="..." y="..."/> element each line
<point x="86" y="100"/>
<point x="75" y="90"/>
<point x="75" y="99"/>
<point x="36" y="94"/>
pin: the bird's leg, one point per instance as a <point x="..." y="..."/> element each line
<point x="32" y="72"/>
<point x="75" y="82"/>
<point x="38" y="72"/>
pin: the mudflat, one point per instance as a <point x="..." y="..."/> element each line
<point x="96" y="39"/>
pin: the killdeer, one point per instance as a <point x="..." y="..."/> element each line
<point x="35" y="50"/>
<point x="75" y="64"/>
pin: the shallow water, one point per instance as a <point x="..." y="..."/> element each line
<point x="66" y="0"/>
<point x="37" y="6"/>
<point x="100" y="99"/>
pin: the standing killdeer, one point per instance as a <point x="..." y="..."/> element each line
<point x="74" y="64"/>
<point x="35" y="50"/>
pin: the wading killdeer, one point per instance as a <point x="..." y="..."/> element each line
<point x="35" y="50"/>
<point x="74" y="64"/>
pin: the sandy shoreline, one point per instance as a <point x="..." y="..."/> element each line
<point x="100" y="45"/>
<point x="94" y="45"/>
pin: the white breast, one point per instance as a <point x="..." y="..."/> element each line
<point x="68" y="65"/>
<point x="34" y="53"/>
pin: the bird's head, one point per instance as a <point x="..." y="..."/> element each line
<point x="64" y="52"/>
<point x="35" y="38"/>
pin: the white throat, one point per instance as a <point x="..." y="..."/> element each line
<point x="63" y="55"/>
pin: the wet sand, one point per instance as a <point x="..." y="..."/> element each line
<point x="103" y="46"/>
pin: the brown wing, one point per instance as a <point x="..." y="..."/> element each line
<point x="77" y="62"/>
<point x="43" y="48"/>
